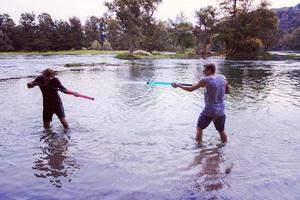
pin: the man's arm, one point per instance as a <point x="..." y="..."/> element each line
<point x="227" y="88"/>
<point x="30" y="85"/>
<point x="59" y="85"/>
<point x="196" y="86"/>
<point x="33" y="83"/>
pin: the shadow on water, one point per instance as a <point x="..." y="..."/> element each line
<point x="211" y="170"/>
<point x="53" y="162"/>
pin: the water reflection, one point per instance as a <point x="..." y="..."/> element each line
<point x="213" y="169"/>
<point x="52" y="162"/>
<point x="251" y="84"/>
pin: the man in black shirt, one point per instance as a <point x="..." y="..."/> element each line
<point x="52" y="103"/>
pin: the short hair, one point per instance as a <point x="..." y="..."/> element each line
<point x="210" y="67"/>
<point x="49" y="73"/>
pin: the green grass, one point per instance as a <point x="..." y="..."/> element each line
<point x="68" y="52"/>
<point x="89" y="64"/>
<point x="188" y="54"/>
<point x="261" y="56"/>
<point x="158" y="55"/>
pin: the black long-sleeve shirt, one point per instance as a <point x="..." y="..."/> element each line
<point x="50" y="94"/>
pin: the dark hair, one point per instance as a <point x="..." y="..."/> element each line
<point x="210" y="67"/>
<point x="49" y="73"/>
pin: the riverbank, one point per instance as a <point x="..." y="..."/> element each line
<point x="266" y="56"/>
<point x="189" y="54"/>
<point x="68" y="52"/>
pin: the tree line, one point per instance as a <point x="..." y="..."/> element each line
<point x="234" y="26"/>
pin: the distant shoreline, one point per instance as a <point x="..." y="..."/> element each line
<point x="67" y="52"/>
<point x="189" y="54"/>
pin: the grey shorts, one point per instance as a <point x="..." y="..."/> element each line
<point x="48" y="113"/>
<point x="204" y="121"/>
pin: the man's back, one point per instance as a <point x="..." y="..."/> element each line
<point x="214" y="95"/>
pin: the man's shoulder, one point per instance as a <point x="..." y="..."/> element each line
<point x="55" y="80"/>
<point x="221" y="75"/>
<point x="39" y="79"/>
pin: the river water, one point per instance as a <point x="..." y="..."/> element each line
<point x="136" y="141"/>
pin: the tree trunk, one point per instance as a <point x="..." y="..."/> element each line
<point x="205" y="49"/>
<point x="131" y="49"/>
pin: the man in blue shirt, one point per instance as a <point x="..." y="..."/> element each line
<point x="52" y="103"/>
<point x="215" y="88"/>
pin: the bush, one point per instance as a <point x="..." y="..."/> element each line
<point x="107" y="46"/>
<point x="250" y="45"/>
<point x="95" y="45"/>
<point x="128" y="56"/>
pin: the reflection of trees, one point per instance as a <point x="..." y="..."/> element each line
<point x="52" y="162"/>
<point x="140" y="70"/>
<point x="250" y="83"/>
<point x="294" y="75"/>
<point x="134" y="91"/>
<point x="211" y="176"/>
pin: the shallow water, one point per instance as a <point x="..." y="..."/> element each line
<point x="136" y="141"/>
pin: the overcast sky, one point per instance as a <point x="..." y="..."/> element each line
<point x="64" y="9"/>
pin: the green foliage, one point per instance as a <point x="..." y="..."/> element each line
<point x="95" y="29"/>
<point x="61" y="39"/>
<point x="68" y="52"/>
<point x="115" y="35"/>
<point x="157" y="36"/>
<point x="239" y="27"/>
<point x="188" y="54"/>
<point x="182" y="32"/>
<point x="296" y="39"/>
<point x="5" y="42"/>
<point x="44" y="33"/>
<point x="27" y="30"/>
<point x="206" y="28"/>
<point x="128" y="56"/>
<point x="248" y="31"/>
<point x="6" y="33"/>
<point x="76" y="33"/>
<point x="132" y="14"/>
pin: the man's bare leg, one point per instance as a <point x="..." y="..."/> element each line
<point x="46" y="125"/>
<point x="64" y="122"/>
<point x="199" y="135"/>
<point x="223" y="136"/>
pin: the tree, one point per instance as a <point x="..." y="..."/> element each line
<point x="62" y="35"/>
<point x="76" y="33"/>
<point x="95" y="29"/>
<point x="232" y="8"/>
<point x="132" y="14"/>
<point x="27" y="31"/>
<point x="157" y="36"/>
<point x="283" y="41"/>
<point x="45" y="32"/>
<point x="249" y="31"/>
<point x="206" y="27"/>
<point x="264" y="25"/>
<point x="115" y="35"/>
<point x="7" y="26"/>
<point x="182" y="31"/>
<point x="296" y="39"/>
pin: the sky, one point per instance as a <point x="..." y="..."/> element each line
<point x="64" y="9"/>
